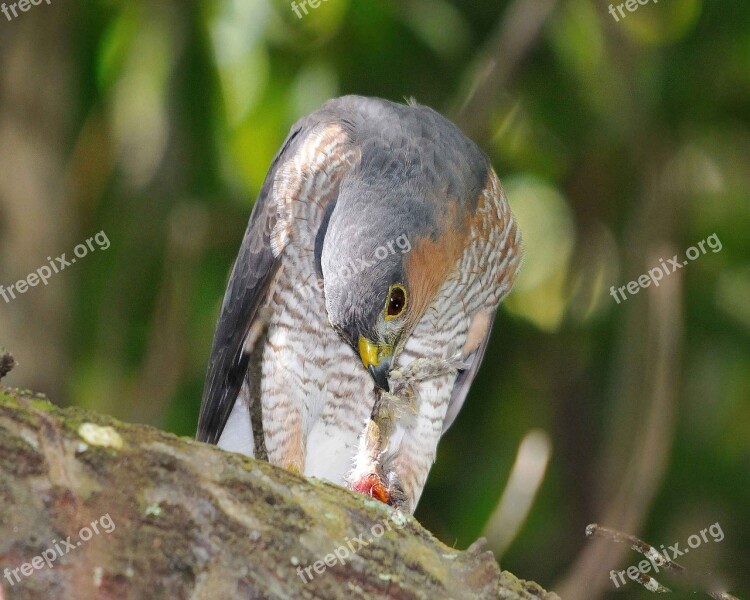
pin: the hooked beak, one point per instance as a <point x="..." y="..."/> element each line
<point x="377" y="360"/>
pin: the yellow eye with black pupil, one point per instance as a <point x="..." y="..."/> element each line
<point x="396" y="302"/>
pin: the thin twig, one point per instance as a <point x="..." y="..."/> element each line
<point x="651" y="553"/>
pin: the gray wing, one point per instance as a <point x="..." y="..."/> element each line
<point x="246" y="293"/>
<point x="465" y="378"/>
<point x="254" y="271"/>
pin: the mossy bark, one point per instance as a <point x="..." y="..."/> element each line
<point x="187" y="520"/>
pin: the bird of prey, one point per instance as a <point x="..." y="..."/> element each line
<point x="361" y="301"/>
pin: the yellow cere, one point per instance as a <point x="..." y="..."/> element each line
<point x="368" y="352"/>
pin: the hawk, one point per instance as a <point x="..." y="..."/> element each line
<point x="362" y="299"/>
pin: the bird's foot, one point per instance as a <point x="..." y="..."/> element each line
<point x="383" y="487"/>
<point x="371" y="484"/>
<point x="422" y="369"/>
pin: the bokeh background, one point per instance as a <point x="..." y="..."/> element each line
<point x="618" y="143"/>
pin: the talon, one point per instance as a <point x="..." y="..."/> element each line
<point x="372" y="485"/>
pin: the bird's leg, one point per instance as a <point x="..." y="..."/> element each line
<point x="428" y="383"/>
<point x="286" y="443"/>
<point x="422" y="369"/>
<point x="369" y="476"/>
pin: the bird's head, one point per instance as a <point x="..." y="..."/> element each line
<point x="374" y="324"/>
<point x="381" y="265"/>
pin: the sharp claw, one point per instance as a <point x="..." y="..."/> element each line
<point x="387" y="490"/>
<point x="372" y="485"/>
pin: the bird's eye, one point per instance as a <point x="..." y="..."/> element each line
<point x="396" y="301"/>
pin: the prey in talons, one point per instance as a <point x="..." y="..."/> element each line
<point x="374" y="473"/>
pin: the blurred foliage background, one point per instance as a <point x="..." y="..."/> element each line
<point x="618" y="143"/>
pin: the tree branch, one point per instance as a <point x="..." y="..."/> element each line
<point x="127" y="511"/>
